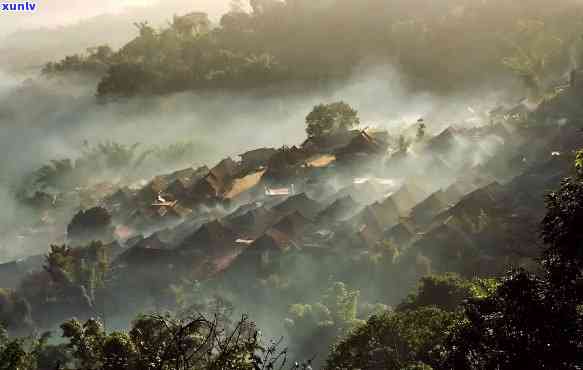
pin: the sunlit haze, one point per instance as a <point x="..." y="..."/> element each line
<point x="52" y="13"/>
<point x="291" y="184"/>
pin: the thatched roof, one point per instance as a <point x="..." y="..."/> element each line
<point x="301" y="203"/>
<point x="424" y="212"/>
<point x="342" y="209"/>
<point x="254" y="222"/>
<point x="210" y="238"/>
<point x="292" y="225"/>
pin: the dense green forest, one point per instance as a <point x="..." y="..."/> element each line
<point x="439" y="45"/>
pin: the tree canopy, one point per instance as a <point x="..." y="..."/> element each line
<point x="532" y="321"/>
<point x="330" y="118"/>
<point x="262" y="47"/>
<point x="525" y="320"/>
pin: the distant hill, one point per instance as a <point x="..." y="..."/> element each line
<point x="447" y="47"/>
<point x="27" y="46"/>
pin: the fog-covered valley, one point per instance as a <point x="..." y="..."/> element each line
<point x="198" y="189"/>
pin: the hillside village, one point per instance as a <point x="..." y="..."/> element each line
<point x="465" y="199"/>
<point x="292" y="184"/>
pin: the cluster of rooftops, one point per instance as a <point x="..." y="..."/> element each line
<point x="447" y="194"/>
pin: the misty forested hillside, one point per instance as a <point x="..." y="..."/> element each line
<point x="441" y="45"/>
<point x="59" y="30"/>
<point x="388" y="228"/>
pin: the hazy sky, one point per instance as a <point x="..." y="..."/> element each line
<point x="53" y="13"/>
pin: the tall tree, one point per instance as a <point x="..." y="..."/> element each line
<point x="330" y="118"/>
